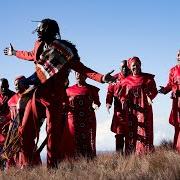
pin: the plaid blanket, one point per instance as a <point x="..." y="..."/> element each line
<point x="52" y="60"/>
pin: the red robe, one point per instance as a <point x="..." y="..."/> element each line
<point x="174" y="119"/>
<point x="118" y="124"/>
<point x="80" y="130"/>
<point x="137" y="89"/>
<point x="51" y="95"/>
<point x="17" y="105"/>
<point x="12" y="103"/>
<point x="5" y="116"/>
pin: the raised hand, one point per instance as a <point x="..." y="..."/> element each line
<point x="107" y="78"/>
<point x="95" y="107"/>
<point x="108" y="106"/>
<point x="9" y="51"/>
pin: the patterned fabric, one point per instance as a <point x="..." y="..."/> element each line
<point x="138" y="91"/>
<point x="51" y="94"/>
<point x="118" y="124"/>
<point x="17" y="104"/>
<point x="52" y="60"/>
<point x="5" y="116"/>
<point x="174" y="86"/>
<point x="80" y="130"/>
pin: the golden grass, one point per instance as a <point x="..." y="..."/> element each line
<point x="160" y="165"/>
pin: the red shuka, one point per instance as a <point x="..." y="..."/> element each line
<point x="174" y="118"/>
<point x="51" y="95"/>
<point x="79" y="136"/>
<point x="137" y="89"/>
<point x="118" y="124"/>
<point x="5" y="115"/>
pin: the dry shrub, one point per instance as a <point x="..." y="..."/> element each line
<point x="162" y="164"/>
<point x="165" y="144"/>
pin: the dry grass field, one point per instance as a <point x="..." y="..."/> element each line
<point x="162" y="164"/>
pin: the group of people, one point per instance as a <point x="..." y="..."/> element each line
<point x="69" y="111"/>
<point x="47" y="99"/>
<point x="133" y="93"/>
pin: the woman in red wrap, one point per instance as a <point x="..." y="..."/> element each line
<point x="79" y="137"/>
<point x="5" y="116"/>
<point x="139" y="90"/>
<point x="53" y="59"/>
<point x="118" y="125"/>
<point x="17" y="104"/>
<point x="174" y="86"/>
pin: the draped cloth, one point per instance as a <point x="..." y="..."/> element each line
<point x="137" y="92"/>
<point x="5" y="115"/>
<point x="118" y="124"/>
<point x="173" y="85"/>
<point x="79" y="137"/>
<point x="50" y="96"/>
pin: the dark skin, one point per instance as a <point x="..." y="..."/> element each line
<point x="125" y="71"/>
<point x="42" y="36"/>
<point x="124" y="68"/>
<point x="19" y="87"/>
<point x="4" y="87"/>
<point x="80" y="79"/>
<point x="48" y="35"/>
<point x="135" y="68"/>
<point x="162" y="90"/>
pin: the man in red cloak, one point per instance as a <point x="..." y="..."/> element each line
<point x="53" y="58"/>
<point x="118" y="125"/>
<point x="80" y="128"/>
<point x="174" y="86"/>
<point x="5" y="117"/>
<point x="139" y="90"/>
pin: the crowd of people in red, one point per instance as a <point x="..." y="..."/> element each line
<point x="69" y="112"/>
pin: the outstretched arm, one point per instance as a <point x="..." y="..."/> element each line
<point x="10" y="51"/>
<point x="168" y="87"/>
<point x="81" y="68"/>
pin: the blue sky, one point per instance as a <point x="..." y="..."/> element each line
<point x="105" y="32"/>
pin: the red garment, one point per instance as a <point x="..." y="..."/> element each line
<point x="51" y="95"/>
<point x="17" y="105"/>
<point x="118" y="124"/>
<point x="75" y="64"/>
<point x="137" y="89"/>
<point x="12" y="103"/>
<point x="79" y="136"/>
<point x="176" y="143"/>
<point x="5" y="116"/>
<point x="132" y="60"/>
<point x="174" y="86"/>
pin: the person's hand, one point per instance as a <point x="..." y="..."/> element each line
<point x="95" y="107"/>
<point x="108" y="106"/>
<point x="149" y="100"/>
<point x="107" y="78"/>
<point x="162" y="90"/>
<point x="9" y="51"/>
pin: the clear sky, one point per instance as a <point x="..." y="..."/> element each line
<point x="105" y="32"/>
